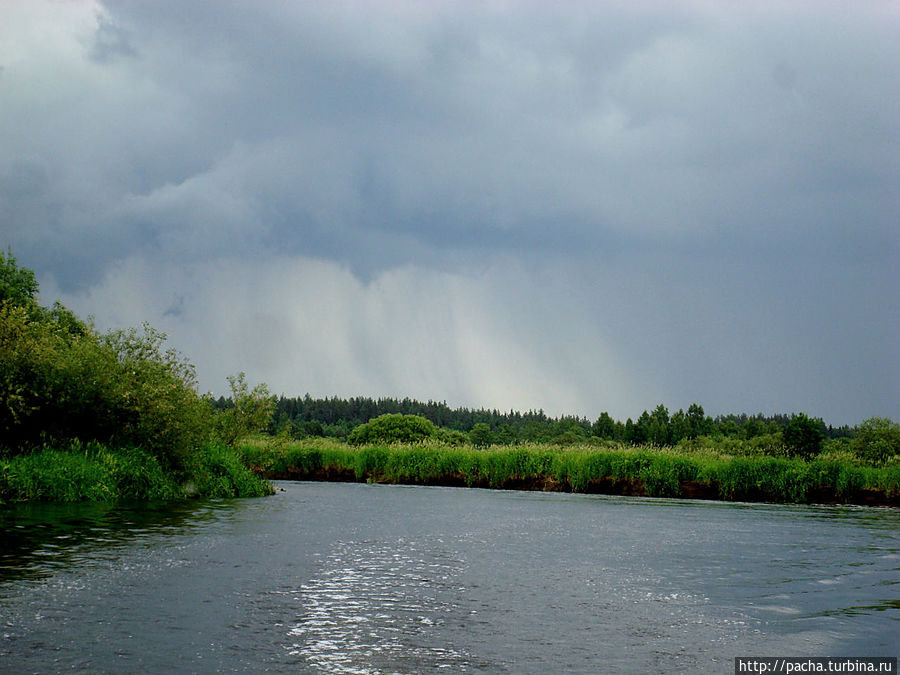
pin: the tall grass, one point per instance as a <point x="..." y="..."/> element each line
<point x="656" y="472"/>
<point x="96" y="472"/>
<point x="218" y="471"/>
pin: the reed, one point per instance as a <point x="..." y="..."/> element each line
<point x="217" y="470"/>
<point x="96" y="472"/>
<point x="645" y="470"/>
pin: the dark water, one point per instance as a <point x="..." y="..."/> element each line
<point x="343" y="578"/>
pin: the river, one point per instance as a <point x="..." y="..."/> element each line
<point x="355" y="578"/>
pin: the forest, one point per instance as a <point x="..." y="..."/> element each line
<point x="335" y="417"/>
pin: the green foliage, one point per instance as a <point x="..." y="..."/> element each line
<point x="658" y="426"/>
<point x="605" y="427"/>
<point x="84" y="472"/>
<point x="452" y="437"/>
<point x="250" y="411"/>
<point x="698" y="423"/>
<point x="95" y="472"/>
<point x="663" y="473"/>
<point x="568" y="438"/>
<point x="53" y="385"/>
<point x="392" y="428"/>
<point x="59" y="380"/>
<point x="18" y="286"/>
<point x="154" y="397"/>
<point x="803" y="436"/>
<point x="218" y="471"/>
<point x="877" y="440"/>
<point x="481" y="435"/>
<point x="104" y="416"/>
<point x="647" y="470"/>
<point x="337" y="417"/>
<point x="66" y="321"/>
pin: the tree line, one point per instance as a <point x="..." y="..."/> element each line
<point x="302" y="417"/>
<point x="64" y="382"/>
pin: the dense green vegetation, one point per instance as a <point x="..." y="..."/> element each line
<point x="105" y="416"/>
<point x="90" y="415"/>
<point x="608" y="468"/>
<point x="793" y="464"/>
<point x="335" y="417"/>
<point x="798" y="435"/>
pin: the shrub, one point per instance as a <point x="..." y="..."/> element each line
<point x="877" y="440"/>
<point x="85" y="415"/>
<point x="153" y="396"/>
<point x="393" y="428"/>
<point x="481" y="435"/>
<point x="568" y="438"/>
<point x="120" y="388"/>
<point x="452" y="437"/>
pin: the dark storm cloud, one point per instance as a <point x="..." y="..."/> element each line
<point x="473" y="127"/>
<point x="722" y="177"/>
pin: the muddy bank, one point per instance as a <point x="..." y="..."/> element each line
<point x="629" y="487"/>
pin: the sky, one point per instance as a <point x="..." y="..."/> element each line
<point x="571" y="206"/>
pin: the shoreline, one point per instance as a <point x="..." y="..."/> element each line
<point x="615" y="486"/>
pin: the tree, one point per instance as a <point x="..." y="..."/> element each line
<point x="60" y="381"/>
<point x="641" y="432"/>
<point x="679" y="427"/>
<point x="505" y="435"/>
<point x="250" y="410"/>
<point x="481" y="435"/>
<point x="629" y="434"/>
<point x="698" y="423"/>
<point x="154" y="395"/>
<point x="803" y="436"/>
<point x="18" y="286"/>
<point x="534" y="431"/>
<point x="877" y="440"/>
<point x="568" y="430"/>
<point x="658" y="426"/>
<point x="605" y="427"/>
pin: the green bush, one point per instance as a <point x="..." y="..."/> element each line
<point x="120" y="389"/>
<point x="877" y="440"/>
<point x="452" y="437"/>
<point x="393" y="429"/>
<point x="480" y="436"/>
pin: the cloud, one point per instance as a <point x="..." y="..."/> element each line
<point x="617" y="204"/>
<point x="569" y="339"/>
<point x="305" y="325"/>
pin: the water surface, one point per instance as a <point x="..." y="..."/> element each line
<point x="348" y="578"/>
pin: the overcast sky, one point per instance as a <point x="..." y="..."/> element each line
<point x="570" y="206"/>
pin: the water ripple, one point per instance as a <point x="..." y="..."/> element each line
<point x="377" y="606"/>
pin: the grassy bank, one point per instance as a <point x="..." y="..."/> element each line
<point x="609" y="469"/>
<point x="96" y="472"/>
<point x="104" y="416"/>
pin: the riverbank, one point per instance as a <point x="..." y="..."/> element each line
<point x="97" y="472"/>
<point x="617" y="470"/>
